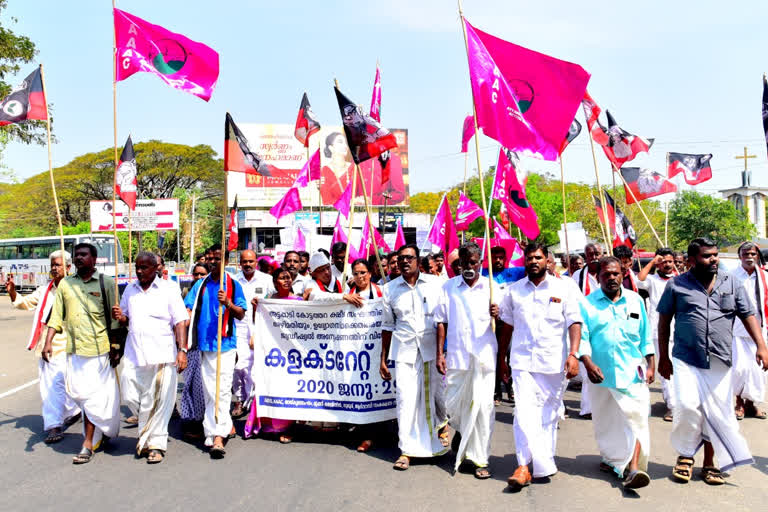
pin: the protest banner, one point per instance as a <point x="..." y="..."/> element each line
<point x="149" y="215"/>
<point x="319" y="361"/>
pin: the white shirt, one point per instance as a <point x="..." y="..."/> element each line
<point x="408" y="316"/>
<point x="654" y="285"/>
<point x="465" y="310"/>
<point x="540" y="316"/>
<point x="152" y="315"/>
<point x="749" y="282"/>
<point x="593" y="284"/>
<point x="258" y="286"/>
<point x="336" y="273"/>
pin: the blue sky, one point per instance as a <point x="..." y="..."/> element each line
<point x="686" y="72"/>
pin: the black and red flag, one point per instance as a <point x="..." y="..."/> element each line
<point x="623" y="232"/>
<point x="694" y="168"/>
<point x="573" y="131"/>
<point x="599" y="210"/>
<point x="366" y="137"/>
<point x="25" y="102"/>
<point x="126" y="184"/>
<point x="306" y="123"/>
<point x="238" y="156"/>
<point x="619" y="145"/>
<point x="232" y="228"/>
<point x="645" y="183"/>
<point x="765" y="108"/>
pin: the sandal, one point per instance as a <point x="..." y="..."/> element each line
<point x="683" y="469"/>
<point x="636" y="480"/>
<point x="739" y="413"/>
<point x="482" y="473"/>
<point x="443" y="436"/>
<point x="365" y="446"/>
<point x="712" y="475"/>
<point x="285" y="439"/>
<point x="84" y="457"/>
<point x="54" y="436"/>
<point x="155" y="456"/>
<point x="217" y="451"/>
<point x="402" y="463"/>
<point x="668" y="415"/>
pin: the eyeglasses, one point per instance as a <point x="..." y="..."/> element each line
<point x="406" y="257"/>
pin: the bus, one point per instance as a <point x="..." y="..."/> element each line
<point x="27" y="259"/>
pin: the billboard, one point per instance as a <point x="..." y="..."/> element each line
<point x="149" y="215"/>
<point x="276" y="144"/>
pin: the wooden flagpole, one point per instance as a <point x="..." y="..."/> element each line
<point x="50" y="171"/>
<point x="310" y="202"/>
<point x="565" y="219"/>
<point x="351" y="216"/>
<point x="666" y="223"/>
<point x="599" y="188"/>
<point x="631" y="193"/>
<point x="114" y="127"/>
<point x="371" y="228"/>
<point x="603" y="227"/>
<point x="221" y="287"/>
<point x="479" y="166"/>
<point x="130" y="243"/>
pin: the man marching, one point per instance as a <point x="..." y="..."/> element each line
<point x="155" y="352"/>
<point x="82" y="306"/>
<point x="203" y="330"/>
<point x="463" y="319"/>
<point x="704" y="303"/>
<point x="58" y="407"/>
<point x="408" y="337"/>
<point x="541" y="312"/>
<point x="617" y="351"/>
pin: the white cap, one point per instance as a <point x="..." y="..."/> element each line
<point x="318" y="260"/>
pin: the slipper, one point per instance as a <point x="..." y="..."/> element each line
<point x="285" y="439"/>
<point x="760" y="415"/>
<point x="444" y="438"/>
<point x="365" y="446"/>
<point x="739" y="413"/>
<point x="402" y="463"/>
<point x="637" y="479"/>
<point x="54" y="436"/>
<point x="668" y="415"/>
<point x="155" y="456"/>
<point x="482" y="473"/>
<point x="217" y="451"/>
<point x="84" y="457"/>
<point x="683" y="469"/>
<point x="712" y="475"/>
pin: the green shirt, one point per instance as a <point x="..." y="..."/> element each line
<point x="79" y="308"/>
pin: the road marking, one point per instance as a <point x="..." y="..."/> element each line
<point x="19" y="388"/>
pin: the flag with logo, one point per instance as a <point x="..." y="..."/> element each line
<point x="306" y="122"/>
<point x="126" y="184"/>
<point x="366" y="137"/>
<point x="619" y="145"/>
<point x="443" y="232"/>
<point x="238" y="156"/>
<point x="645" y="183"/>
<point x="623" y="232"/>
<point x="694" y="168"/>
<point x="25" y="102"/>
<point x="466" y="212"/>
<point x="507" y="189"/>
<point x="177" y="60"/>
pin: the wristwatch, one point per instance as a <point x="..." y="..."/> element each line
<point x="183" y="350"/>
<point x="574" y="354"/>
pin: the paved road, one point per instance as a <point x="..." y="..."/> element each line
<point x="321" y="473"/>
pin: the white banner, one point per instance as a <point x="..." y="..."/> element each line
<point x="320" y="362"/>
<point x="149" y="215"/>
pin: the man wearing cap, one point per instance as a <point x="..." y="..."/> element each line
<point x="323" y="286"/>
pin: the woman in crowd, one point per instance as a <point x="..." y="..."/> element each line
<point x="192" y="397"/>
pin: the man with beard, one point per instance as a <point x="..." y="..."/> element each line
<point x="654" y="285"/>
<point x="615" y="348"/>
<point x="93" y="351"/>
<point x="704" y="304"/>
<point x="538" y="312"/>
<point x="408" y="338"/>
<point x="323" y="286"/>
<point x="254" y="284"/>
<point x="463" y="319"/>
<point x="156" y="350"/>
<point x="502" y="275"/>
<point x="748" y="379"/>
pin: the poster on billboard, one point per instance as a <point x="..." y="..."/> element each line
<point x="149" y="215"/>
<point x="276" y="144"/>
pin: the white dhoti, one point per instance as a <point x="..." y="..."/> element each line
<point x="242" y="383"/>
<point x="748" y="377"/>
<point x="419" y="389"/>
<point x="586" y="402"/>
<point x="666" y="385"/>
<point x="620" y="420"/>
<point x="469" y="404"/>
<point x="151" y="391"/>
<point x="58" y="406"/>
<point x="223" y="427"/>
<point x="92" y="384"/>
<point x="538" y="397"/>
<point x="704" y="412"/>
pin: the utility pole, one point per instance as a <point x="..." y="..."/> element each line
<point x="192" y="234"/>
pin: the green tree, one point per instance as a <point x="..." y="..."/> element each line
<point x="693" y="215"/>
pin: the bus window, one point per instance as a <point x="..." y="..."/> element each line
<point x="26" y="251"/>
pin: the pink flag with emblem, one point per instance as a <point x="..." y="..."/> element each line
<point x="177" y="60"/>
<point x="288" y="204"/>
<point x="467" y="132"/>
<point x="524" y="99"/>
<point x="466" y="212"/>
<point x="399" y="237"/>
<point x="310" y="171"/>
<point x="507" y="188"/>
<point x="443" y="232"/>
<point x="499" y="231"/>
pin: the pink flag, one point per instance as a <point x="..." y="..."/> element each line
<point x="289" y="203"/>
<point x="399" y="237"/>
<point x="467" y="132"/>
<point x="524" y="99"/>
<point x="339" y="235"/>
<point x="178" y="61"/>
<point x="300" y="243"/>
<point x="366" y="242"/>
<point x="443" y="232"/>
<point x="506" y="188"/>
<point x="344" y="202"/>
<point x="499" y="231"/>
<point x="466" y="212"/>
<point x="310" y="171"/>
<point x="376" y="96"/>
<point x="511" y="247"/>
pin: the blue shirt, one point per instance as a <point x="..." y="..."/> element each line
<point x="208" y="319"/>
<point x="616" y="336"/>
<point x="506" y="276"/>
